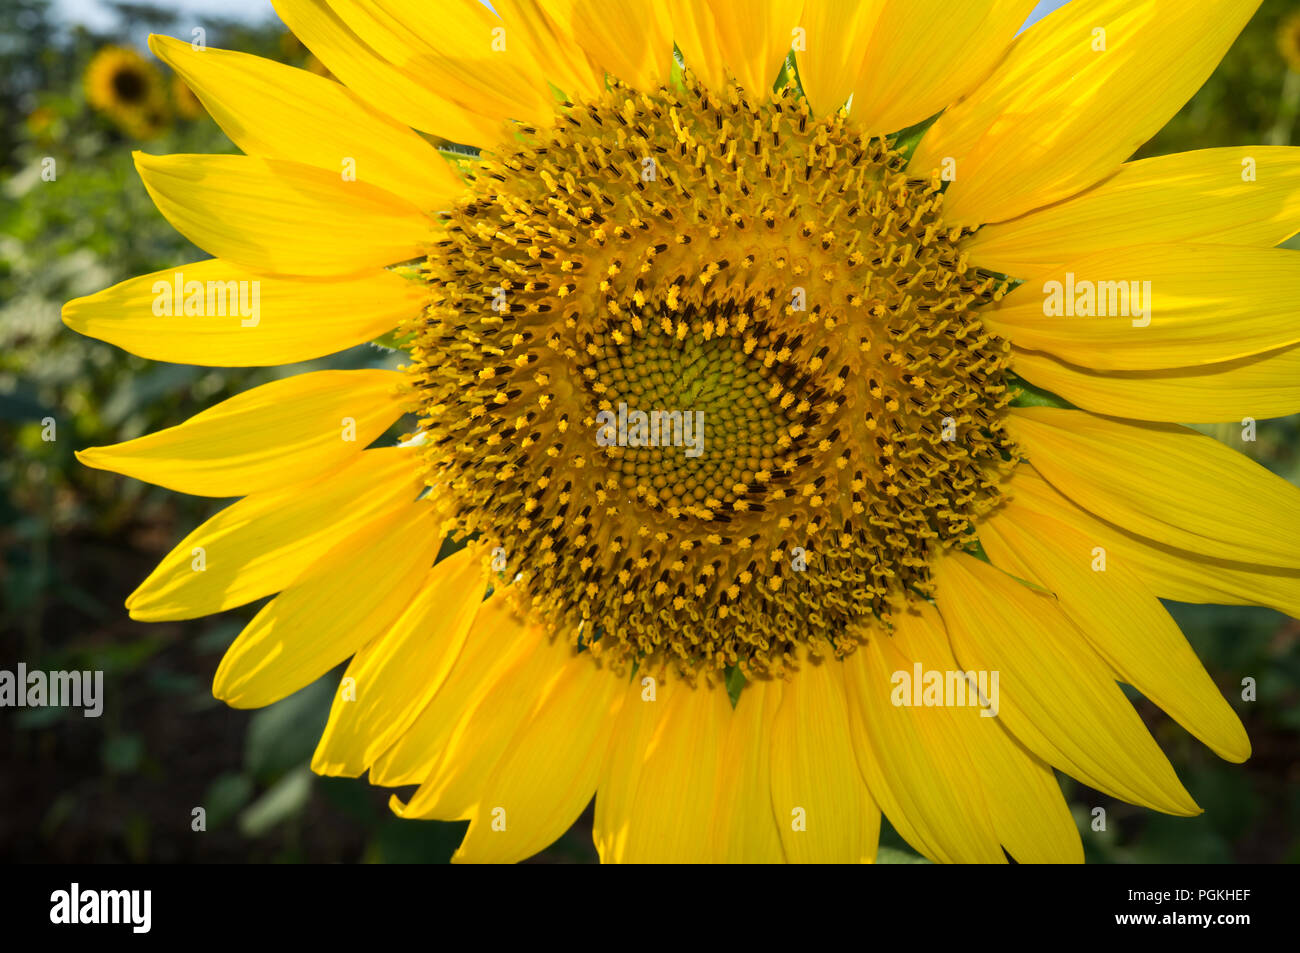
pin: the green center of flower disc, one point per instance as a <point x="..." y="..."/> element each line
<point x="691" y="421"/>
<point x="707" y="377"/>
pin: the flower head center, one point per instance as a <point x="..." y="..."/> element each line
<point x="707" y="375"/>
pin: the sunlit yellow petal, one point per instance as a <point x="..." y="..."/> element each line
<point x="749" y="40"/>
<point x="1056" y="695"/>
<point x="908" y="755"/>
<point x="277" y="320"/>
<point x="1244" y="195"/>
<point x="282" y="432"/>
<point x="925" y="54"/>
<point x="743" y="827"/>
<point x="1169" y="572"/>
<point x="830" y="48"/>
<point x="1156" y="306"/>
<point x="536" y="29"/>
<point x="403" y="95"/>
<point x="363" y="585"/>
<point x="823" y="809"/>
<point x="1122" y="620"/>
<point x="497" y="641"/>
<point x="524" y="762"/>
<point x="1173" y="485"/>
<point x="281" y="217"/>
<point x="394" y="677"/>
<point x="1017" y="789"/>
<point x="631" y="39"/>
<point x="272" y="110"/>
<point x="1260" y="386"/>
<point x="268" y="540"/>
<point x="1075" y="96"/>
<point x="468" y="58"/>
<point x="656" y="795"/>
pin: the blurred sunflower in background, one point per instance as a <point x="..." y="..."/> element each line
<point x="128" y="89"/>
<point x="907" y="460"/>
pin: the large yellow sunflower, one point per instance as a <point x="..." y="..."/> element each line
<point x="712" y="621"/>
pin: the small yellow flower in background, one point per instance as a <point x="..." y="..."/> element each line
<point x="1288" y="41"/>
<point x="184" y="101"/>
<point x="743" y="632"/>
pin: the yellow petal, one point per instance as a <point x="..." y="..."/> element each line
<point x="268" y="540"/>
<point x="498" y="640"/>
<point x="548" y="774"/>
<point x="536" y="30"/>
<point x="398" y="92"/>
<point x="485" y="727"/>
<point x="395" y="676"/>
<point x="696" y="35"/>
<point x="823" y="809"/>
<point x="1122" y="620"/>
<point x="908" y="755"/>
<point x="1170" y="484"/>
<point x="834" y="39"/>
<point x="750" y="40"/>
<point x="1074" y="97"/>
<point x="1168" y="572"/>
<point x="1244" y="195"/>
<point x="925" y="54"/>
<point x="1019" y="791"/>
<point x="468" y="58"/>
<point x="1156" y="306"/>
<point x="279" y="433"/>
<point x="273" y="110"/>
<point x="631" y="39"/>
<point x="1261" y="386"/>
<point x="523" y="764"/>
<point x="281" y="321"/>
<point x="361" y="586"/>
<point x="656" y="795"/>
<point x="281" y="217"/>
<point x="1055" y="694"/>
<point x="744" y="829"/>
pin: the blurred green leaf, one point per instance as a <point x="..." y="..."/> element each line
<point x="286" y="798"/>
<point x="285" y="734"/>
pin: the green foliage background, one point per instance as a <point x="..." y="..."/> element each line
<point x="74" y="542"/>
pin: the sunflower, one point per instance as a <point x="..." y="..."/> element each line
<point x="881" y="442"/>
<point x="127" y="88"/>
